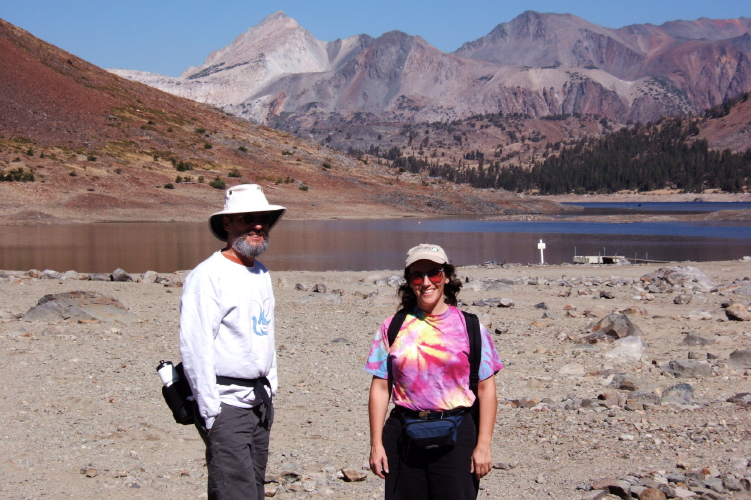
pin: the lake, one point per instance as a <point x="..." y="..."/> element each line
<point x="353" y="245"/>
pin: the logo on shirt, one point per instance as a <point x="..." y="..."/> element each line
<point x="261" y="323"/>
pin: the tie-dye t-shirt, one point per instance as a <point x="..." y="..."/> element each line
<point x="430" y="361"/>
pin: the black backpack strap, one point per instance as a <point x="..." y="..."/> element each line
<point x="475" y="349"/>
<point x="396" y="324"/>
<point x="475" y="355"/>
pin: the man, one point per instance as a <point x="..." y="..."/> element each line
<point x="227" y="345"/>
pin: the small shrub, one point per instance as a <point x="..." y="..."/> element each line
<point x="17" y="175"/>
<point x="200" y="130"/>
<point x="243" y="149"/>
<point x="286" y="153"/>
<point x="169" y="185"/>
<point x="30" y="152"/>
<point x="118" y="170"/>
<point x="303" y="188"/>
<point x="234" y="173"/>
<point x="181" y="166"/>
<point x="91" y="158"/>
<point x="218" y="183"/>
<point x="326" y="164"/>
<point x="207" y="145"/>
<point x="201" y="179"/>
<point x="72" y="174"/>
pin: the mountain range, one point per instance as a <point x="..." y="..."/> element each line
<point x="78" y="143"/>
<point x="537" y="65"/>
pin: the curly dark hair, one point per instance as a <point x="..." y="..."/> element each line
<point x="450" y="290"/>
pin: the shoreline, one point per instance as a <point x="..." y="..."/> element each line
<point x="327" y="211"/>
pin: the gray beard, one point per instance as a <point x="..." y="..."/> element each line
<point x="242" y="247"/>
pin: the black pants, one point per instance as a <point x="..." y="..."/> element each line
<point x="237" y="451"/>
<point x="433" y="474"/>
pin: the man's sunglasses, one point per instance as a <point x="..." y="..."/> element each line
<point x="434" y="275"/>
<point x="256" y="219"/>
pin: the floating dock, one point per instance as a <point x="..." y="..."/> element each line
<point x="598" y="259"/>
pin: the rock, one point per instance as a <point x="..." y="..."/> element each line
<point x="626" y="350"/>
<point x="78" y="306"/>
<point x="679" y="276"/>
<point x="506" y="303"/>
<point x="149" y="277"/>
<point x="740" y="360"/>
<point x="100" y="277"/>
<point x="612" y="327"/>
<point x="688" y="368"/>
<point x="679" y="393"/>
<point x="572" y="370"/>
<point x="693" y="338"/>
<point x="498" y="286"/>
<point x="301" y="287"/>
<point x="614" y="486"/>
<point x="352" y="475"/>
<point x="737" y="312"/>
<point x="741" y="397"/>
<point x="70" y="275"/>
<point x="319" y="288"/>
<point x="682" y="299"/>
<point x="652" y="494"/>
<point x="90" y="472"/>
<point x="120" y="275"/>
<point x="626" y="382"/>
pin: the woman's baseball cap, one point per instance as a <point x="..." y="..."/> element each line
<point x="426" y="251"/>
<point x="243" y="199"/>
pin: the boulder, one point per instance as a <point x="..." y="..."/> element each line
<point x="688" y="368"/>
<point x="612" y="327"/>
<point x="737" y="312"/>
<point x="740" y="360"/>
<point x="79" y="306"/>
<point x="626" y="350"/>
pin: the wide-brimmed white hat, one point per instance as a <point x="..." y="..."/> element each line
<point x="243" y="199"/>
<point x="426" y="251"/>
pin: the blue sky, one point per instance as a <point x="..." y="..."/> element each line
<point x="168" y="36"/>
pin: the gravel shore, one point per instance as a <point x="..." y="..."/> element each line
<point x="85" y="417"/>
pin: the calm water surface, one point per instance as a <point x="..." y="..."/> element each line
<point x="365" y="244"/>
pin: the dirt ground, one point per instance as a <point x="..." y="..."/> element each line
<point x="84" y="416"/>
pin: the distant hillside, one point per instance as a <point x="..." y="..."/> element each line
<point x="79" y="143"/>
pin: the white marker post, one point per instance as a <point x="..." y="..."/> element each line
<point x="541" y="246"/>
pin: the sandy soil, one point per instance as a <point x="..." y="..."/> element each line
<point x="84" y="417"/>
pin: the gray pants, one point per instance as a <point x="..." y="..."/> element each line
<point x="237" y="450"/>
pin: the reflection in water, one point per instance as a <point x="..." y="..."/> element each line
<point x="364" y="245"/>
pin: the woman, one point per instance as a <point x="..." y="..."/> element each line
<point x="429" y="365"/>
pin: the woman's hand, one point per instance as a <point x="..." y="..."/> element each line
<point x="379" y="464"/>
<point x="482" y="461"/>
<point x="378" y="402"/>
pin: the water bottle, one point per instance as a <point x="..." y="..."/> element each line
<point x="167" y="373"/>
<point x="176" y="391"/>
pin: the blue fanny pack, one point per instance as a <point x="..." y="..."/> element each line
<point x="431" y="434"/>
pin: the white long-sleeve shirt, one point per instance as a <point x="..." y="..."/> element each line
<point x="227" y="328"/>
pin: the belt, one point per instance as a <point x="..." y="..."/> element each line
<point x="428" y="415"/>
<point x="259" y="389"/>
